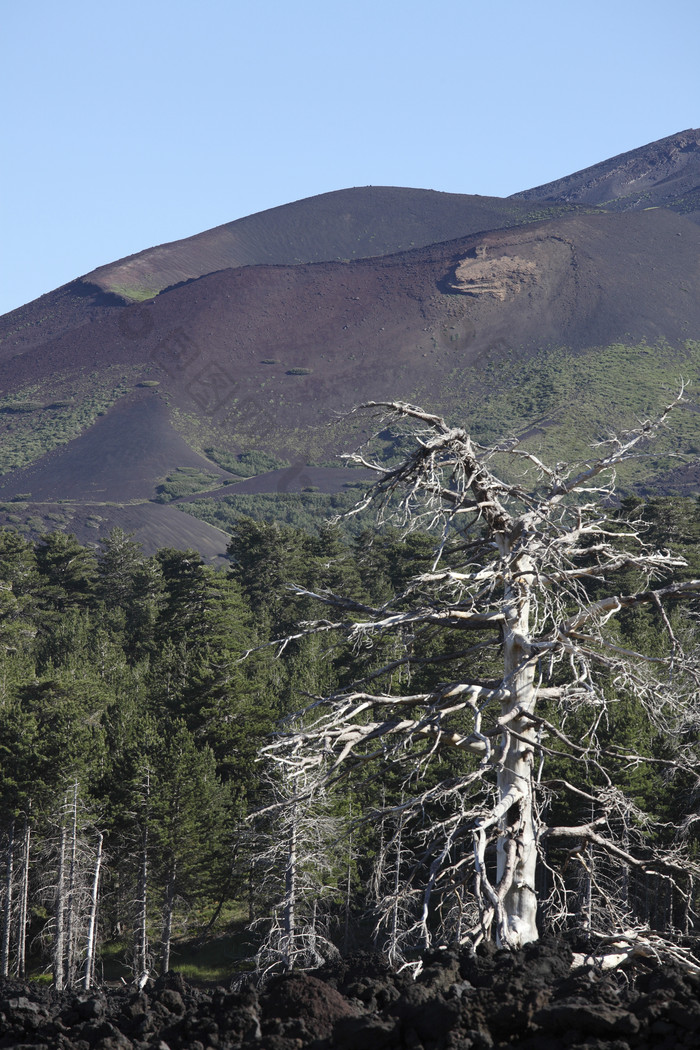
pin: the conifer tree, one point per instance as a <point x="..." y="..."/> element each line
<point x="190" y="829"/>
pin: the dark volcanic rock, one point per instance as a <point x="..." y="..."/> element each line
<point x="305" y="1005"/>
<point x="494" y="1001"/>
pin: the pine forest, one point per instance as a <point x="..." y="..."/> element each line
<point x="143" y="818"/>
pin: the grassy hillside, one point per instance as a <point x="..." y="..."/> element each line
<point x="564" y="403"/>
<point x="40" y="417"/>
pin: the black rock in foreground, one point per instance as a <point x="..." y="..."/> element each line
<point x="527" y="999"/>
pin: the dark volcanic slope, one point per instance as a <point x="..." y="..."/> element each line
<point x="348" y="224"/>
<point x="662" y="174"/>
<point x="503" y="1000"/>
<point x="345" y="225"/>
<point x="153" y="525"/>
<point x="229" y="346"/>
<point x="272" y="326"/>
<point x="118" y="459"/>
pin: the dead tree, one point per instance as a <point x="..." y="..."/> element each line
<point x="73" y="858"/>
<point x="296" y="867"/>
<point x="91" y="943"/>
<point x="8" y="900"/>
<point x="523" y="595"/>
<point x="23" y="916"/>
<point x="142" y="963"/>
<point x="394" y="900"/>
<point x="15" y="897"/>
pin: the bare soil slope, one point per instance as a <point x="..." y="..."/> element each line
<point x="394" y="325"/>
<point x="260" y="337"/>
<point x="120" y="458"/>
<point x="349" y="224"/>
<point x="265" y="353"/>
<point x="665" y="173"/>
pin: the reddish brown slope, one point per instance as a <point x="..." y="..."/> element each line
<point x="396" y="326"/>
<point x="264" y="356"/>
<point x="349" y="224"/>
<point x="344" y="225"/>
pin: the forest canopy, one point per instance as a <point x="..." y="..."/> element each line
<point x="130" y="726"/>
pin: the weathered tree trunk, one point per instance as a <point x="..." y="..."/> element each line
<point x="92" y="923"/>
<point x="168" y="909"/>
<point x="72" y="902"/>
<point x="516" y="896"/>
<point x="394" y="930"/>
<point x="23" y="903"/>
<point x="141" y="938"/>
<point x="290" y="887"/>
<point x="378" y="877"/>
<point x="60" y="907"/>
<point x="533" y="600"/>
<point x="7" y="908"/>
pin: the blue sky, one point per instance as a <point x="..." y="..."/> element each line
<point x="129" y="124"/>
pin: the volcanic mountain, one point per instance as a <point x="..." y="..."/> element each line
<point x="662" y="174"/>
<point x="173" y="374"/>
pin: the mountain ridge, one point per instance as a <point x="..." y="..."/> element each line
<point x="362" y="222"/>
<point x="662" y="173"/>
<point x="493" y="327"/>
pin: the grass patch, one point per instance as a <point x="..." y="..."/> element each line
<point x="217" y="959"/>
<point x="137" y="293"/>
<point x="185" y="481"/>
<point x="246" y="464"/>
<point x="305" y="510"/>
<point x="30" y="428"/>
<point x="565" y="402"/>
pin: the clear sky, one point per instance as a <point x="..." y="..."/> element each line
<point x="128" y="124"/>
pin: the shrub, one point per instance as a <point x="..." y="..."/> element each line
<point x="22" y="406"/>
<point x="246" y="464"/>
<point x="183" y="482"/>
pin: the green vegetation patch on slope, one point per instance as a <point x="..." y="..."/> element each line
<point x="246" y="464"/>
<point x="30" y="427"/>
<point x="185" y="481"/>
<point x="136" y="293"/>
<point x="562" y="403"/>
<point x="557" y="403"/>
<point x="303" y="510"/>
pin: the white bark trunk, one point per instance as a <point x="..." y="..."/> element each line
<point x="72" y="904"/>
<point x="141" y="932"/>
<point x="517" y="850"/>
<point x="393" y="951"/>
<point x="290" y="887"/>
<point x="59" y="945"/>
<point x="23" y="904"/>
<point x="141" y="948"/>
<point x="168" y="909"/>
<point x="7" y="910"/>
<point x="92" y="924"/>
